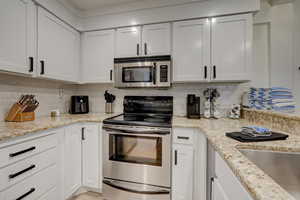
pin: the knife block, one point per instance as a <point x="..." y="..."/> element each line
<point x="16" y="114"/>
<point x="25" y="117"/>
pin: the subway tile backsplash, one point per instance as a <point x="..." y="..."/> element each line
<point x="56" y="95"/>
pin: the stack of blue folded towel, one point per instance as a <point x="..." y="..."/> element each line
<point x="275" y="98"/>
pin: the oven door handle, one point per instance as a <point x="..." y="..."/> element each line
<point x="136" y="132"/>
<point x="154" y="192"/>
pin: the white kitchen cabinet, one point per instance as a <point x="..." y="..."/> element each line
<point x="148" y="40"/>
<point x="191" y="50"/>
<point x="156" y="39"/>
<point x="98" y="56"/>
<point x="216" y="49"/>
<point x="182" y="179"/>
<point x="72" y="160"/>
<point x="188" y="164"/>
<point x="217" y="191"/>
<point x="224" y="184"/>
<point x="58" y="48"/>
<point x="17" y="36"/>
<point x="231" y="47"/>
<point x="91" y="164"/>
<point x="128" y="41"/>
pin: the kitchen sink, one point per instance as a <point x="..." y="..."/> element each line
<point x="284" y="168"/>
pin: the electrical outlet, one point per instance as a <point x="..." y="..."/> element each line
<point x="61" y="93"/>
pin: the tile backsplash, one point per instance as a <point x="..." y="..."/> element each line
<point x="230" y="94"/>
<point x="51" y="95"/>
<point x="56" y="95"/>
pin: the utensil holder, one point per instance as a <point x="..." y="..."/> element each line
<point x="108" y="108"/>
<point x="25" y="117"/>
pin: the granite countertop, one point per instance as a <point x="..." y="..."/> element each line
<point x="11" y="130"/>
<point x="259" y="184"/>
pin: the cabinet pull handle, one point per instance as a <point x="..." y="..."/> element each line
<point x="111" y="74"/>
<point x="42" y="67"/>
<point x="21" y="152"/>
<point x="26" y="194"/>
<point x="145" y="48"/>
<point x="205" y="72"/>
<point x="31" y="64"/>
<point x="183" y="138"/>
<point x="176" y="157"/>
<point x="11" y="176"/>
<point x="82" y="133"/>
<point x="154" y="73"/>
<point x="138" y="49"/>
<point x="214" y="72"/>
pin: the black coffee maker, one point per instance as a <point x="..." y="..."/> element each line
<point x="79" y="105"/>
<point x="193" y="106"/>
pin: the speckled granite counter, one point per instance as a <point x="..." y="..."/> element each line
<point x="260" y="185"/>
<point x="10" y="130"/>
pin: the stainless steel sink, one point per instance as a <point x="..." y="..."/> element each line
<point x="284" y="168"/>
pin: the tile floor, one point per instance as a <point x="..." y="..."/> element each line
<point x="88" y="196"/>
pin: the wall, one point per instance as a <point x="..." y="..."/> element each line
<point x="278" y="19"/>
<point x="230" y="94"/>
<point x="47" y="93"/>
<point x="297" y="49"/>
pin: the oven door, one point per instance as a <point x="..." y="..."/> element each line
<point x="137" y="156"/>
<point x="139" y="74"/>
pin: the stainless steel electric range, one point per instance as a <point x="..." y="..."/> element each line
<point x="137" y="150"/>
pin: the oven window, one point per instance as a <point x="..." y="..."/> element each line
<point x="136" y="149"/>
<point x="137" y="74"/>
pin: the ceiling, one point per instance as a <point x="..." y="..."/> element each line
<point x="87" y="5"/>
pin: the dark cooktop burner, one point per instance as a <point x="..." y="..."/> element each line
<point x="141" y="120"/>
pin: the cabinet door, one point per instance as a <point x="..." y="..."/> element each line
<point x="98" y="56"/>
<point x="182" y="172"/>
<point x="191" y="51"/>
<point x="156" y="39"/>
<point x="17" y="44"/>
<point x="217" y="191"/>
<point x="231" y="48"/>
<point x="90" y="155"/>
<point x="58" y="48"/>
<point x="72" y="160"/>
<point x="128" y="42"/>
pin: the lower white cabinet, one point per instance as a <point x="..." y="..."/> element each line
<point x="188" y="164"/>
<point x="72" y="160"/>
<point x="224" y="184"/>
<point x="91" y="156"/>
<point x="82" y="158"/>
<point x="183" y="165"/>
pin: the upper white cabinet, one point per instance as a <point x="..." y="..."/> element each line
<point x="147" y="40"/>
<point x="91" y="156"/>
<point x="156" y="39"/>
<point x="128" y="42"/>
<point x="58" y="48"/>
<point x="17" y="36"/>
<point x="216" y="49"/>
<point x="98" y="56"/>
<point x="231" y="47"/>
<point x="191" y="50"/>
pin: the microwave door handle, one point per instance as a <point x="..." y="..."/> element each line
<point x="154" y="73"/>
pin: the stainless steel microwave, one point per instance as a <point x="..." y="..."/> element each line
<point x="154" y="71"/>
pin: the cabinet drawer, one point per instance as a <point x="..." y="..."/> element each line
<point x="15" y="173"/>
<point x="183" y="135"/>
<point x="33" y="187"/>
<point x="23" y="150"/>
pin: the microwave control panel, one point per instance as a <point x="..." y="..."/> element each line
<point x="163" y="73"/>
